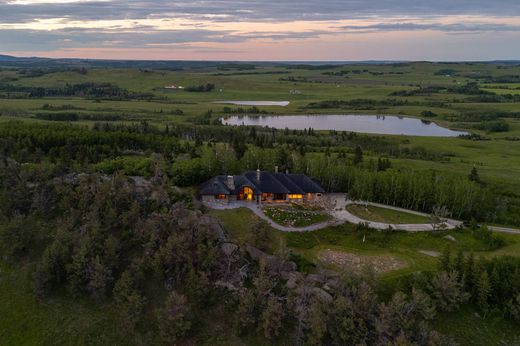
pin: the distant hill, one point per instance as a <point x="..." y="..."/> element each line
<point x="49" y="63"/>
<point x="8" y="58"/>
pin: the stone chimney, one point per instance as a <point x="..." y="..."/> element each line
<point x="230" y="182"/>
<point x="276" y="169"/>
<point x="258" y="174"/>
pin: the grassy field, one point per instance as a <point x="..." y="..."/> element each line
<point x="377" y="214"/>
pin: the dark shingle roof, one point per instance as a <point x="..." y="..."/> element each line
<point x="243" y="181"/>
<point x="214" y="186"/>
<point x="287" y="181"/>
<point x="268" y="183"/>
<point x="305" y="183"/>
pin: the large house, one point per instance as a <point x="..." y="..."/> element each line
<point x="261" y="187"/>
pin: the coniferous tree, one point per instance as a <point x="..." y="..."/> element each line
<point x="458" y="265"/>
<point x="483" y="291"/>
<point x="445" y="260"/>
<point x="358" y="155"/>
<point x="272" y="318"/>
<point x="473" y="175"/>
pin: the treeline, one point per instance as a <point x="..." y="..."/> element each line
<point x="200" y="88"/>
<point x="371" y="104"/>
<point x="68" y="145"/>
<point x="505" y="79"/>
<point x="493" y="126"/>
<point x="471" y="88"/>
<point x="416" y="190"/>
<point x="240" y="110"/>
<point x="69" y="116"/>
<point x="357" y="104"/>
<point x="104" y="91"/>
<point x="493" y="285"/>
<point x="482" y="116"/>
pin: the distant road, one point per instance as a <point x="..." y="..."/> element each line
<point x="504" y="229"/>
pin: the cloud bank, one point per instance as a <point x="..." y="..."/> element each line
<point x="282" y="29"/>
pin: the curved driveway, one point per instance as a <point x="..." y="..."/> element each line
<point x="337" y="209"/>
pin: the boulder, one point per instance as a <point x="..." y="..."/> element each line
<point x="229" y="248"/>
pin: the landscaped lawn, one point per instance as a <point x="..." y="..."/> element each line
<point x="385" y="215"/>
<point x="295" y="215"/>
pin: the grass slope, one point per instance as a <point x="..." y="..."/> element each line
<point x="377" y="214"/>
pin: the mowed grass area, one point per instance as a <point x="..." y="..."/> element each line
<point x="385" y="215"/>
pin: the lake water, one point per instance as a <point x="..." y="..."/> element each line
<point x="256" y="103"/>
<point x="374" y="124"/>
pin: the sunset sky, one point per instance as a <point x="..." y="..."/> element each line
<point x="322" y="30"/>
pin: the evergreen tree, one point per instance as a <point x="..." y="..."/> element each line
<point x="483" y="291"/>
<point x="173" y="318"/>
<point x="469" y="265"/>
<point x="317" y="323"/>
<point x="458" y="265"/>
<point x="445" y="260"/>
<point x="272" y="318"/>
<point x="473" y="175"/>
<point x="358" y="155"/>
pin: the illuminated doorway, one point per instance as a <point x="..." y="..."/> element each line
<point x="245" y="194"/>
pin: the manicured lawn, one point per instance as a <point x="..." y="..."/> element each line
<point x="295" y="215"/>
<point x="385" y="215"/>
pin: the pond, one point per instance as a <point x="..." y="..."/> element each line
<point x="256" y="103"/>
<point x="374" y="124"/>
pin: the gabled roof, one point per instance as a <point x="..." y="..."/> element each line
<point x="287" y="181"/>
<point x="305" y="183"/>
<point x="268" y="183"/>
<point x="214" y="186"/>
<point x="243" y="181"/>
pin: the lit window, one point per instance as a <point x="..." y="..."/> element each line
<point x="295" y="196"/>
<point x="220" y="197"/>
